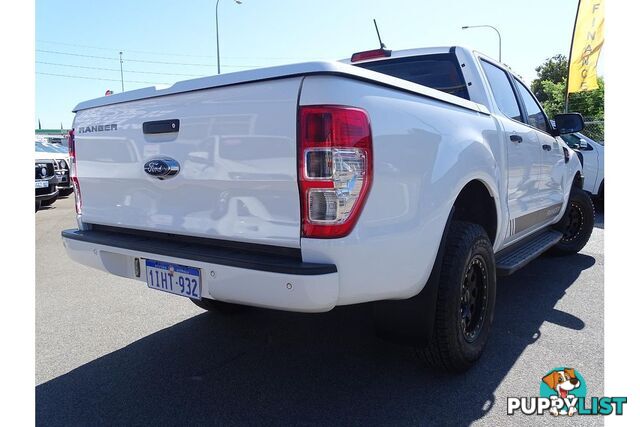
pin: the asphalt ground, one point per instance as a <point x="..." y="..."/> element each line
<point x="109" y="351"/>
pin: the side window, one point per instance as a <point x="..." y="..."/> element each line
<point x="535" y="116"/>
<point x="572" y="140"/>
<point x="502" y="91"/>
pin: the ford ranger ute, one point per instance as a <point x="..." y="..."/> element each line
<point x="410" y="179"/>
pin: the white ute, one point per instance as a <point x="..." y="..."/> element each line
<point x="408" y="178"/>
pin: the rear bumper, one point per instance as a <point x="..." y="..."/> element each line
<point x="49" y="195"/>
<point x="232" y="274"/>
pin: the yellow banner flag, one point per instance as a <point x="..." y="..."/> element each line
<point x="588" y="37"/>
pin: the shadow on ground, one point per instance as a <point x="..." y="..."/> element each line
<point x="327" y="368"/>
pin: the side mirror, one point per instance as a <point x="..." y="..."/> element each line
<point x="568" y="123"/>
<point x="583" y="144"/>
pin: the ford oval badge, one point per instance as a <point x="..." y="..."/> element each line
<point x="162" y="168"/>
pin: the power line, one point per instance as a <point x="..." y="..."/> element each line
<point x="57" y="52"/>
<point x="98" y="78"/>
<point x="164" y="53"/>
<point x="77" y="54"/>
<point x="78" y="45"/>
<point x="148" y="52"/>
<point x="117" y="69"/>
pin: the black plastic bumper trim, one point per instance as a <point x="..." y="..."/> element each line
<point x="49" y="196"/>
<point x="209" y="253"/>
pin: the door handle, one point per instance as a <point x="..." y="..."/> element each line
<point x="515" y="138"/>
<point x="546" y="147"/>
<point x="161" y="126"/>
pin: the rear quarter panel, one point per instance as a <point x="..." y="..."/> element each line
<point x="425" y="151"/>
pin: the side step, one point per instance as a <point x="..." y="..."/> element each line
<point x="513" y="258"/>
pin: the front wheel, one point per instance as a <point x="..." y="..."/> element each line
<point x="576" y="224"/>
<point x="466" y="300"/>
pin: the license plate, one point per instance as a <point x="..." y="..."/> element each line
<point x="173" y="278"/>
<point x="42" y="183"/>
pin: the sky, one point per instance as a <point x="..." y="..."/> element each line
<point x="167" y="41"/>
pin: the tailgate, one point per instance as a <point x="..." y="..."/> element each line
<point x="236" y="151"/>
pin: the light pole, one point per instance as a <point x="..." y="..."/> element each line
<point x="121" y="75"/>
<point x="217" y="35"/>
<point x="494" y="29"/>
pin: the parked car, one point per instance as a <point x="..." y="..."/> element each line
<point x="46" y="180"/>
<point x="62" y="162"/>
<point x="592" y="156"/>
<point x="409" y="179"/>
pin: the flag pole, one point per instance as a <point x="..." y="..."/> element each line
<point x="573" y="35"/>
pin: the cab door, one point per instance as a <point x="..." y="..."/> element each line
<point x="550" y="184"/>
<point x="522" y="150"/>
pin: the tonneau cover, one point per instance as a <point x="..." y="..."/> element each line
<point x="281" y="71"/>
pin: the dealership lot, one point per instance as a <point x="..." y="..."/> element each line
<point x="111" y="351"/>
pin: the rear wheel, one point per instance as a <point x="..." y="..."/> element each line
<point x="218" y="306"/>
<point x="576" y="224"/>
<point x="466" y="300"/>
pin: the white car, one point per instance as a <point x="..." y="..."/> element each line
<point x="592" y="154"/>
<point x="46" y="150"/>
<point x="409" y="179"/>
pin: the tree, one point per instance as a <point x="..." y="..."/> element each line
<point x="590" y="103"/>
<point x="551" y="85"/>
<point x="554" y="96"/>
<point x="554" y="69"/>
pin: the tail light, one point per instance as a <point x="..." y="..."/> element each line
<point x="73" y="173"/>
<point x="370" y="54"/>
<point x="335" y="168"/>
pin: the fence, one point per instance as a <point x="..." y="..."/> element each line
<point x="594" y="129"/>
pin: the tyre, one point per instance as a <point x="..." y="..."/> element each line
<point x="465" y="302"/>
<point x="218" y="306"/>
<point x="49" y="202"/>
<point x="601" y="190"/>
<point x="65" y="192"/>
<point x="38" y="205"/>
<point x="576" y="224"/>
<point x="600" y="199"/>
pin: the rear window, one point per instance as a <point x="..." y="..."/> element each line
<point x="439" y="71"/>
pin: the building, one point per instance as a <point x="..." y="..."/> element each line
<point x="56" y="136"/>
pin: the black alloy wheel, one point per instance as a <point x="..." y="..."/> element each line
<point x="473" y="299"/>
<point x="574" y="222"/>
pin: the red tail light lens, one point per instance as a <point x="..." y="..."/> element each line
<point x="73" y="173"/>
<point x="335" y="162"/>
<point x="370" y="54"/>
